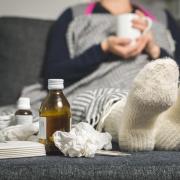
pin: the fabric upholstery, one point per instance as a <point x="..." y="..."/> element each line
<point x="22" y="49"/>
<point x="139" y="166"/>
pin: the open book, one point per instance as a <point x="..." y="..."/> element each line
<point x="18" y="149"/>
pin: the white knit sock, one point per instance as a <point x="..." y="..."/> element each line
<point x="168" y="128"/>
<point x="113" y="119"/>
<point x="154" y="91"/>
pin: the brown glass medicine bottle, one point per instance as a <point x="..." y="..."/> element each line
<point x="54" y="115"/>
<point x="24" y="114"/>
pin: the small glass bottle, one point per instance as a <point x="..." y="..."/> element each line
<point x="55" y="115"/>
<point x="24" y="114"/>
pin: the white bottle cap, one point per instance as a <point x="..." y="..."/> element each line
<point x="24" y="103"/>
<point x="54" y="84"/>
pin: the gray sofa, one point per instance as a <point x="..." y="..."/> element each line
<point x="22" y="50"/>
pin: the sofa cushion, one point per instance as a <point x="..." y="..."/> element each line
<point x="22" y="48"/>
<point x="138" y="166"/>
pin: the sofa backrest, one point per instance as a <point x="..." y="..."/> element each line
<point x="22" y="49"/>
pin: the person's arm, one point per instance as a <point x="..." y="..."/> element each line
<point x="58" y="62"/>
<point x="175" y="32"/>
<point x="164" y="53"/>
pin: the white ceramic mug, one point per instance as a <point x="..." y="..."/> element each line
<point x="125" y="27"/>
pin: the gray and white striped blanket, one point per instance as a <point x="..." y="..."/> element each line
<point x="94" y="95"/>
<point x="89" y="106"/>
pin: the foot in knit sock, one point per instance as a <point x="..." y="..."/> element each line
<point x="154" y="90"/>
<point x="168" y="128"/>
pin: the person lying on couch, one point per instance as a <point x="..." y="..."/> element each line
<point x="59" y="61"/>
<point x="97" y="66"/>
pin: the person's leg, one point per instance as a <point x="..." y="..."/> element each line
<point x="168" y="128"/>
<point x="154" y="90"/>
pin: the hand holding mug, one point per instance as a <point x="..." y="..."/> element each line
<point x="147" y="39"/>
<point x="122" y="47"/>
<point x="133" y="36"/>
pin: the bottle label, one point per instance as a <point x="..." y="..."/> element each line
<point x="24" y="119"/>
<point x="42" y="128"/>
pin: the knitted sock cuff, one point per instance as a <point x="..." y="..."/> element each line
<point x="137" y="140"/>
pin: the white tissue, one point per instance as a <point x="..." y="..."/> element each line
<point x="18" y="132"/>
<point x="5" y="120"/>
<point x="82" y="140"/>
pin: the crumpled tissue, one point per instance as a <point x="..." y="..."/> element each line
<point x="82" y="140"/>
<point x="23" y="132"/>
